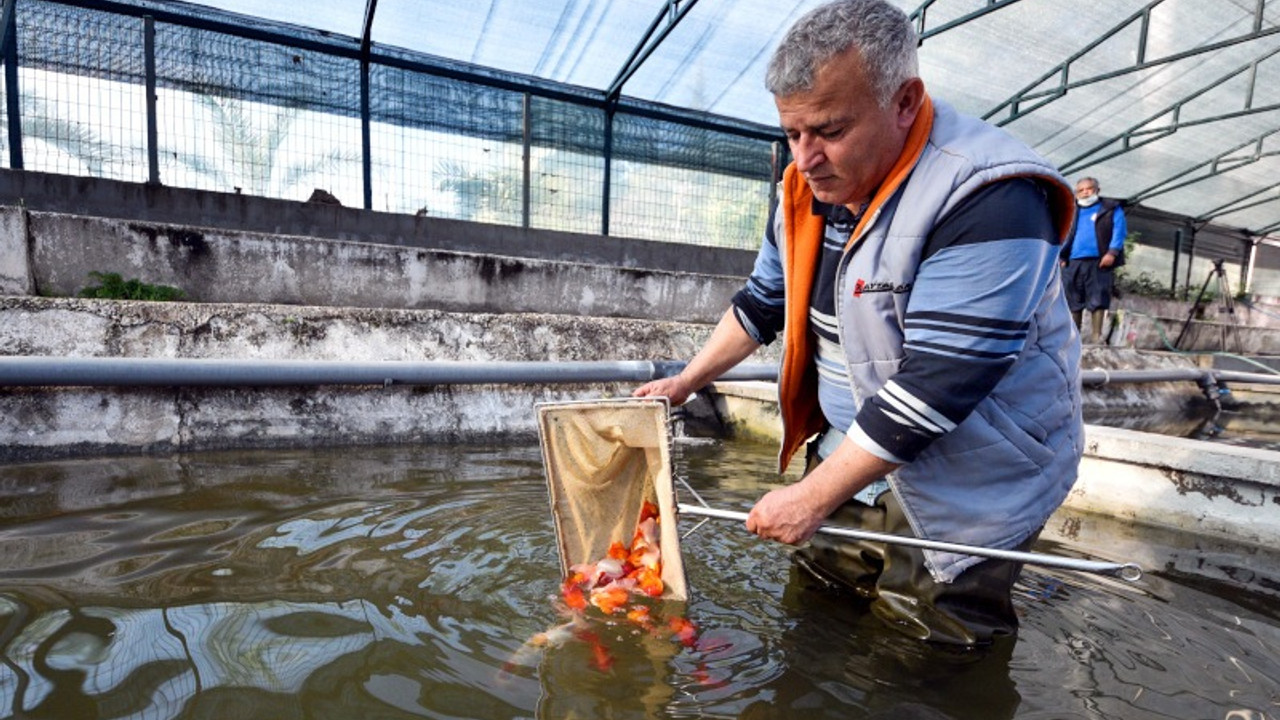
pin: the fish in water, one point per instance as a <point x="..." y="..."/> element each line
<point x="617" y="584"/>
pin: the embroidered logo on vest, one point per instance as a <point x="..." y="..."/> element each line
<point x="879" y="286"/>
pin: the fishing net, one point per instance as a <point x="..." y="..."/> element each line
<point x="604" y="460"/>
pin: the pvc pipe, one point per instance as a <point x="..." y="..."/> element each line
<point x="116" y="371"/>
<point x="163" y="372"/>
<point x="1107" y="377"/>
<point x="1129" y="572"/>
<point x="1246" y="377"/>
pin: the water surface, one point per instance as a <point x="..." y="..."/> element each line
<point x="404" y="582"/>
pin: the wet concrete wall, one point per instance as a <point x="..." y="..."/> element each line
<point x="157" y="204"/>
<point x="1186" y="485"/>
<point x="52" y="254"/>
<point x="287" y="280"/>
<point x="65" y="421"/>
<point x="354" y="286"/>
<point x="1190" y="485"/>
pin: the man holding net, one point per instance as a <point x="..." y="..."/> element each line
<point x="928" y="355"/>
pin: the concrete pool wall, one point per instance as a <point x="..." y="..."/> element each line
<point x="378" y="287"/>
<point x="278" y="280"/>
<point x="53" y="255"/>
<point x="1207" y="489"/>
<point x="64" y="421"/>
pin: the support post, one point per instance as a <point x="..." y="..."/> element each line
<point x="778" y="160"/>
<point x="1246" y="272"/>
<point x="607" y="188"/>
<point x="366" y="120"/>
<point x="526" y="186"/>
<point x="153" y="132"/>
<point x="1191" y="260"/>
<point x="13" y="97"/>
<point x="366" y="143"/>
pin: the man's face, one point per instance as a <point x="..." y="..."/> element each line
<point x="1086" y="189"/>
<point x="843" y="142"/>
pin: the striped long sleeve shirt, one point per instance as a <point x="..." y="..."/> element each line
<point x="966" y="322"/>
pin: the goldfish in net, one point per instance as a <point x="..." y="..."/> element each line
<point x="618" y="586"/>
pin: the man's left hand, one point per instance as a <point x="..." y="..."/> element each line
<point x="793" y="513"/>
<point x="1107" y="261"/>
<point x="787" y="515"/>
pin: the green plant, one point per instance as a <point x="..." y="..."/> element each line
<point x="1142" y="285"/>
<point x="111" y="286"/>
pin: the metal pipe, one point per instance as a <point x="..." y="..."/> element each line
<point x="153" y="372"/>
<point x="118" y="371"/>
<point x="1129" y="572"/>
<point x="1107" y="377"/>
<point x="1245" y="377"/>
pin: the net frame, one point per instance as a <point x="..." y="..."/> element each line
<point x="602" y="459"/>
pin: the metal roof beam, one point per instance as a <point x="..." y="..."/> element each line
<point x="1268" y="229"/>
<point x="675" y="10"/>
<point x="366" y="33"/>
<point x="1219" y="164"/>
<point x="919" y="17"/>
<point x="1146" y="132"/>
<point x="1029" y="99"/>
<point x="1236" y="206"/>
<point x="673" y="13"/>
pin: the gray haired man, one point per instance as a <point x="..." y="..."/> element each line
<point x="929" y="358"/>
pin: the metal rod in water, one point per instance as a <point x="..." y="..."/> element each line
<point x="1130" y="572"/>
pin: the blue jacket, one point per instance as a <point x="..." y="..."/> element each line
<point x="1109" y="228"/>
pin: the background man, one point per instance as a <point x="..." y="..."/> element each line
<point x="1089" y="270"/>
<point x="911" y="266"/>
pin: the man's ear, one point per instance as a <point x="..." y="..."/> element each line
<point x="907" y="102"/>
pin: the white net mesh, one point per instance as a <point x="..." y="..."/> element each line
<point x="603" y="460"/>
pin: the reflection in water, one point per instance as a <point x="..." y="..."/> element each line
<point x="404" y="582"/>
<point x="1189" y="422"/>
<point x="1243" y="424"/>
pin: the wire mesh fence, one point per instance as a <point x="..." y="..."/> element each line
<point x="81" y="109"/>
<point x="567" y="168"/>
<point x="255" y="117"/>
<point x="279" y="112"/>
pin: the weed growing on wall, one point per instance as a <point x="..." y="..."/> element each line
<point x="111" y="286"/>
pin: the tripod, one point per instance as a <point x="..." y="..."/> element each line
<point x="1222" y="290"/>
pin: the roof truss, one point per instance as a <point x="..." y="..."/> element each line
<point x="919" y="17"/>
<point x="1219" y="164"/>
<point x="1240" y="203"/>
<point x="1035" y="96"/>
<point x="671" y="14"/>
<point x="1167" y="121"/>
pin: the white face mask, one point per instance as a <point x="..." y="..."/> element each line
<point x="1087" y="201"/>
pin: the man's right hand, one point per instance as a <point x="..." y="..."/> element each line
<point x="728" y="345"/>
<point x="673" y="388"/>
